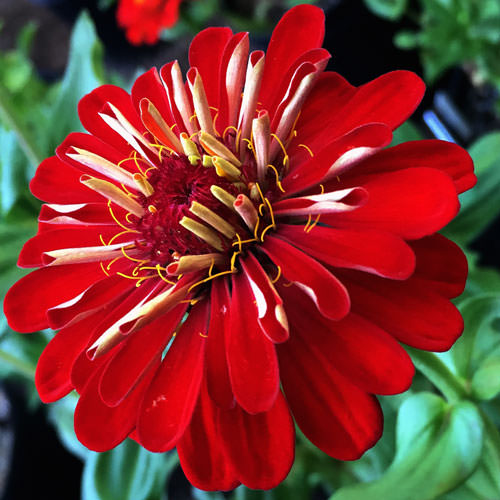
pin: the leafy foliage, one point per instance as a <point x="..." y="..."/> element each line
<point x="450" y="32"/>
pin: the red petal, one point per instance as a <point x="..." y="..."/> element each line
<point x="363" y="353"/>
<point x="330" y="93"/>
<point x="26" y="303"/>
<point x="169" y="402"/>
<point x="301" y="29"/>
<point x="251" y="356"/>
<point x="31" y="253"/>
<point x="149" y="86"/>
<point x="411" y="311"/>
<point x="313" y="170"/>
<point x="100" y="427"/>
<point x="142" y="349"/>
<point x="411" y="203"/>
<point x="57" y="182"/>
<point x="92" y="104"/>
<point x="201" y="451"/>
<point x="334" y="414"/>
<point x="95" y="298"/>
<point x="259" y="447"/>
<point x="326" y="290"/>
<point x="441" y="265"/>
<point x="271" y="315"/>
<point x="81" y="214"/>
<point x="53" y="371"/>
<point x="445" y="156"/>
<point x="370" y="251"/>
<point x="218" y="382"/>
<point x="85" y="365"/>
<point x="389" y="99"/>
<point x="205" y="54"/>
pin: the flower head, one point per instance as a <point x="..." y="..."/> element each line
<point x="144" y="19"/>
<point x="224" y="253"/>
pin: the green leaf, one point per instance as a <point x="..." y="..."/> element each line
<point x="84" y="72"/>
<point x="406" y="132"/>
<point x="13" y="171"/>
<point x="484" y="484"/>
<point x="481" y="334"/>
<point x="128" y="472"/>
<point x="438" y="447"/>
<point x="390" y="9"/>
<point x="478" y="205"/>
<point x="406" y="40"/>
<point x="485" y="382"/>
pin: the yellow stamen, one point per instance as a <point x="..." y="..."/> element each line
<point x="313" y="224"/>
<point x="211" y="218"/>
<point x="266" y="229"/>
<point x="278" y="182"/>
<point x="225" y="169"/>
<point x="143" y="184"/>
<point x="120" y="234"/>
<point x="202" y="232"/>
<point x="115" y="218"/>
<point x="307" y="148"/>
<point x="104" y="270"/>
<point x="277" y="277"/>
<point x="308" y="222"/>
<point x="223" y="196"/>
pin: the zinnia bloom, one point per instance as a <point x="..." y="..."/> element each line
<point x="223" y="254"/>
<point x="144" y="19"/>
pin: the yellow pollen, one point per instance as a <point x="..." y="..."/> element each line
<point x="211" y="267"/>
<point x="103" y="270"/>
<point x="308" y="222"/>
<point x="230" y="127"/>
<point x="108" y="267"/>
<point x="278" y="182"/>
<point x="120" y="234"/>
<point x="256" y="230"/>
<point x="203" y="335"/>
<point x="136" y="161"/>
<point x="266" y="229"/>
<point x="131" y="258"/>
<point x="313" y="224"/>
<point x="158" y="270"/>
<point x="210" y="278"/>
<point x="152" y="209"/>
<point x="278" y="276"/>
<point x="115" y="219"/>
<point x="260" y="192"/>
<point x="307" y="148"/>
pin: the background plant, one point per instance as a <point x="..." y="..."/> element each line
<point x="449" y="33"/>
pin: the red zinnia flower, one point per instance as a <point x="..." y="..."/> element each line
<point x="144" y="19"/>
<point x="257" y="202"/>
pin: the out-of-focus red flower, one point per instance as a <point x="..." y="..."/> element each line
<point x="144" y="19"/>
<point x="223" y="254"/>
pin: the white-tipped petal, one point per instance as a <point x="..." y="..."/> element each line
<point x="200" y="102"/>
<point x="255" y="70"/>
<point x="261" y="140"/>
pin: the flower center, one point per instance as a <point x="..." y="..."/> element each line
<point x="178" y="186"/>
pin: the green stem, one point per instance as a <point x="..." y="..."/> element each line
<point x="20" y="366"/>
<point x="439" y="374"/>
<point x="14" y="121"/>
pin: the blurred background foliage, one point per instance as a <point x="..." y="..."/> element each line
<point x="441" y="439"/>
